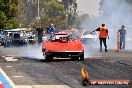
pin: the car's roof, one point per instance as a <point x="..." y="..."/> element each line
<point x="10" y="30"/>
<point x="21" y="29"/>
<point x="15" y="30"/>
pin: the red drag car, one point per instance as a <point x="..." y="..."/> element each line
<point x="63" y="45"/>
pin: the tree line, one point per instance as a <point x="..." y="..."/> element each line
<point x="50" y="11"/>
<point x="8" y="14"/>
<point x="24" y="13"/>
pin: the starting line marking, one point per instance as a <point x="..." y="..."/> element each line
<point x="6" y="80"/>
<point x="9" y="58"/>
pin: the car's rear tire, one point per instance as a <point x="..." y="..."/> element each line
<point x="48" y="58"/>
<point x="75" y="58"/>
<point x="81" y="57"/>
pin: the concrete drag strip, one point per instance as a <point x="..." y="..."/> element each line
<point x="9" y="84"/>
<point x="41" y="86"/>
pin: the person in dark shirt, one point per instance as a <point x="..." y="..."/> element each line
<point x="123" y="33"/>
<point x="103" y="35"/>
<point x="40" y="34"/>
<point x="47" y="29"/>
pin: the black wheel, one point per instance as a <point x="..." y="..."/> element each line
<point x="75" y="58"/>
<point x="5" y="44"/>
<point x="48" y="58"/>
<point x="2" y="44"/>
<point x="81" y="58"/>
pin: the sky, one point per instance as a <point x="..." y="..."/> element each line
<point x="88" y="6"/>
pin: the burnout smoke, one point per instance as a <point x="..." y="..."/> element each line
<point x="32" y="51"/>
<point x="113" y="13"/>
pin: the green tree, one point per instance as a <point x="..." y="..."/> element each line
<point x="51" y="11"/>
<point x="72" y="15"/>
<point x="3" y="19"/>
<point x="8" y="12"/>
<point x="55" y="9"/>
<point x="56" y="14"/>
<point x="67" y="3"/>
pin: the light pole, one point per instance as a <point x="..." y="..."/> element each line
<point x="38" y="15"/>
<point x="38" y="10"/>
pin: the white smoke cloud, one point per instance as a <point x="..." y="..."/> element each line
<point x="32" y="51"/>
<point x="114" y="14"/>
<point x="88" y="6"/>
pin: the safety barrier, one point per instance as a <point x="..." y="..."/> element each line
<point x="118" y="42"/>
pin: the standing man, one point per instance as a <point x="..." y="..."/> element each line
<point x="122" y="32"/>
<point x="51" y="31"/>
<point x="103" y="34"/>
<point x="40" y="34"/>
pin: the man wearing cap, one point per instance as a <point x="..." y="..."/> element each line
<point x="123" y="33"/>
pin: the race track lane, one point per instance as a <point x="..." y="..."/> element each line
<point x="31" y="71"/>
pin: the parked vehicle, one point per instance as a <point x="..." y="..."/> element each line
<point x="88" y="38"/>
<point x="12" y="38"/>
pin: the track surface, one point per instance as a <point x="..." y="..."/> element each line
<point x="32" y="71"/>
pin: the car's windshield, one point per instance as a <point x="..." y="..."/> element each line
<point x="67" y="37"/>
<point x="58" y="37"/>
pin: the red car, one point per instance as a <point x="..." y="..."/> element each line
<point x="63" y="45"/>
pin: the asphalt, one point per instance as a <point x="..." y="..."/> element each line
<point x="30" y="70"/>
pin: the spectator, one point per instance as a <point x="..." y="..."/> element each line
<point x="123" y="33"/>
<point x="40" y="34"/>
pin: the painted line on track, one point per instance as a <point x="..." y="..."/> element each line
<point x="6" y="81"/>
